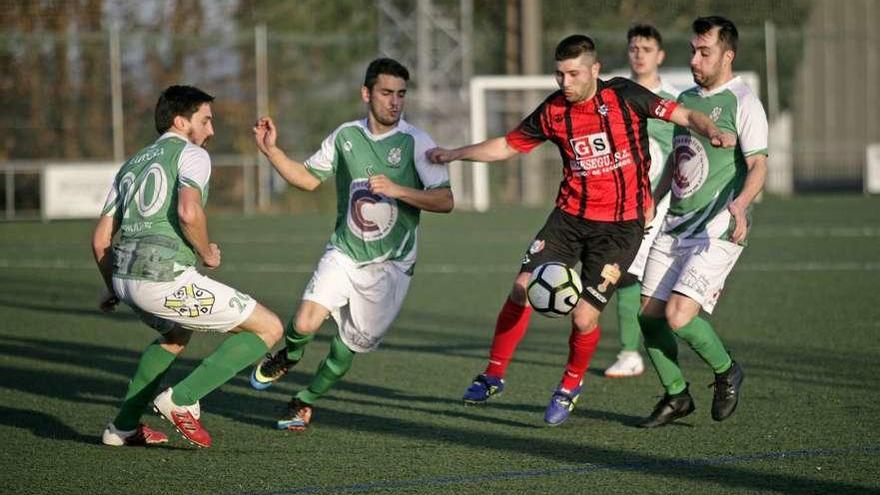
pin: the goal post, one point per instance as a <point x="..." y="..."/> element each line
<point x="477" y="196"/>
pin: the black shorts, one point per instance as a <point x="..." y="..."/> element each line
<point x="605" y="250"/>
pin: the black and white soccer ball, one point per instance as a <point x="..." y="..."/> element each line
<point x="554" y="289"/>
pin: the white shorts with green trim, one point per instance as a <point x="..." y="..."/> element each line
<point x="695" y="268"/>
<point x="191" y="301"/>
<point x="364" y="300"/>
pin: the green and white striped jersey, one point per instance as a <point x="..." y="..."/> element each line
<point x="371" y="228"/>
<point x="706" y="179"/>
<point x="143" y="197"/>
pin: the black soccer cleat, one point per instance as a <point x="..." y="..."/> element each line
<point x="726" y="397"/>
<point x="670" y="408"/>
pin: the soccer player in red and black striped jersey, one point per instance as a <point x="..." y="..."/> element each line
<point x="601" y="208"/>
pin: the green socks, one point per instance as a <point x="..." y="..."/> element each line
<point x="663" y="352"/>
<point x="628" y="301"/>
<point x="235" y="354"/>
<point x="295" y="342"/>
<point x="152" y="366"/>
<point x="702" y="338"/>
<point x="331" y="369"/>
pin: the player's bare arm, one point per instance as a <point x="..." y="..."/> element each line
<point x="438" y="200"/>
<point x="491" y="150"/>
<point x="102" y="240"/>
<point x="703" y="125"/>
<point x="757" y="174"/>
<point x="294" y="172"/>
<point x="194" y="224"/>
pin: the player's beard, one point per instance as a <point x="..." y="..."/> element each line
<point x="203" y="144"/>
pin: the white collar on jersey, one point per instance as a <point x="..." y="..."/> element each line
<point x="704" y="93"/>
<point x="365" y="125"/>
<point x="169" y="134"/>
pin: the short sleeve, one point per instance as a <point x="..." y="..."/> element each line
<point x="112" y="201"/>
<point x="432" y="175"/>
<point x="532" y="131"/>
<point x="194" y="168"/>
<point x="751" y="126"/>
<point x="645" y="102"/>
<point x="321" y="164"/>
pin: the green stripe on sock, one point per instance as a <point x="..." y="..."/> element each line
<point x="235" y="354"/>
<point x="152" y="366"/>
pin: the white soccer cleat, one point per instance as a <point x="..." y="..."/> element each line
<point x="141" y="436"/>
<point x="629" y="363"/>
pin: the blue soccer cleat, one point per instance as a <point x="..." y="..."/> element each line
<point x="271" y="369"/>
<point x="561" y="405"/>
<point x="484" y="387"/>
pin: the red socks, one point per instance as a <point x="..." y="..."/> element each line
<point x="513" y="321"/>
<point x="581" y="347"/>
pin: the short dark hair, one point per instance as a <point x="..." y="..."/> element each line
<point x="387" y="66"/>
<point x="644" y="31"/>
<point x="176" y="101"/>
<point x="727" y="34"/>
<point x="574" y="46"/>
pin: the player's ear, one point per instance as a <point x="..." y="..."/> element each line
<point x="595" y="69"/>
<point x="180" y="122"/>
<point x="365" y="94"/>
<point x="661" y="56"/>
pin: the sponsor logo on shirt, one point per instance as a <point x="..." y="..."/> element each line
<point x="691" y="166"/>
<point x="715" y="114"/>
<point x="591" y="145"/>
<point x="370" y="216"/>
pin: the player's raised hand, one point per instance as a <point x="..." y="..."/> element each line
<point x="212" y="260"/>
<point x="741" y="223"/>
<point x="380" y="184"/>
<point x="439" y="155"/>
<point x="265" y="134"/>
<point x="723" y="140"/>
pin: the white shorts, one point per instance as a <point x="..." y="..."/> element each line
<point x="697" y="270"/>
<point x="364" y="300"/>
<point x="191" y="301"/>
<point x="637" y="267"/>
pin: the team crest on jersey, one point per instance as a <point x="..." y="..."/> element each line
<point x="537" y="246"/>
<point x="394" y="155"/>
<point x="603" y="110"/>
<point x="715" y="114"/>
<point x="691" y="166"/>
<point x="346" y="145"/>
<point x="190" y="300"/>
<point x="370" y="216"/>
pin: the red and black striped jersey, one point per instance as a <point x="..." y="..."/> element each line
<point x="604" y="147"/>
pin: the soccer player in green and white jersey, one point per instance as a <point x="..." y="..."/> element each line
<point x="705" y="229"/>
<point x="155" y="205"/>
<point x="383" y="182"/>
<point x="645" y="54"/>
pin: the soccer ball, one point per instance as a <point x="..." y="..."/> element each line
<point x="554" y="289"/>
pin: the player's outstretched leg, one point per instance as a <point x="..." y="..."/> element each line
<point x="275" y="365"/>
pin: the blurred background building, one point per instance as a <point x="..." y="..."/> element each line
<point x="79" y="78"/>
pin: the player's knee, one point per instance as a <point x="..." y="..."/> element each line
<point x="176" y="340"/>
<point x="677" y="318"/>
<point x="518" y="291"/>
<point x="307" y="322"/>
<point x="584" y="323"/>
